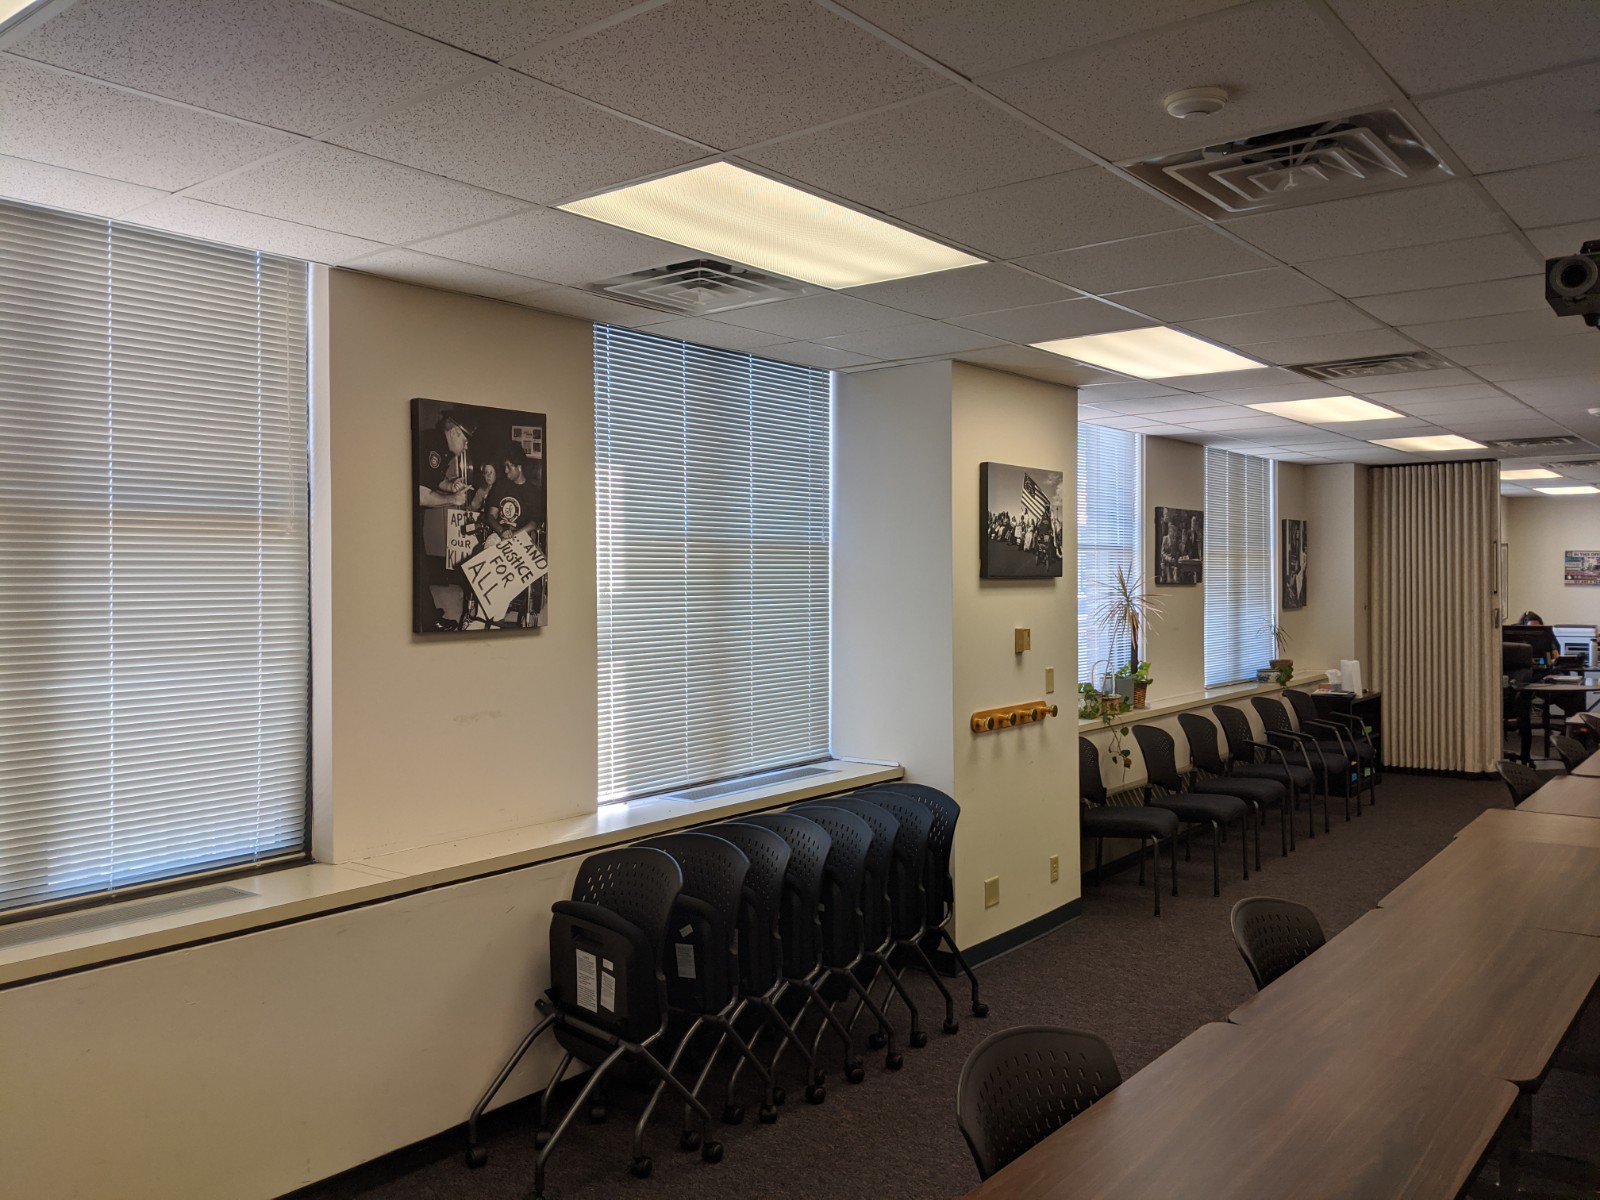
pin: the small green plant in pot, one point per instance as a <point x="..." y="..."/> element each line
<point x="1126" y="610"/>
<point x="1282" y="666"/>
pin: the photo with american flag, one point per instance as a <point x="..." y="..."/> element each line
<point x="1022" y="509"/>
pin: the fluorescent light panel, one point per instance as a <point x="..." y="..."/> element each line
<point x="1585" y="490"/>
<point x="1530" y="473"/>
<point x="1329" y="410"/>
<point x="1152" y="353"/>
<point x="1438" y="442"/>
<point x="729" y="212"/>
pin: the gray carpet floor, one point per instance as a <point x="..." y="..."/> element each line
<point x="1140" y="982"/>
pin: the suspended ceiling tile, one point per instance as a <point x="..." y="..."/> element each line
<point x="235" y="227"/>
<point x="939" y="146"/>
<point x="944" y="294"/>
<point x="1540" y="322"/>
<point x="1331" y="346"/>
<point x="733" y="72"/>
<point x="1438" y="45"/>
<point x="1176" y="402"/>
<point x="64" y="121"/>
<point x="912" y="341"/>
<point x="515" y="135"/>
<point x="410" y="266"/>
<point x="1554" y="241"/>
<point x="291" y="64"/>
<point x="1128" y="389"/>
<point x="1228" y="295"/>
<point x="1174" y="256"/>
<point x="1072" y="209"/>
<point x="705" y="332"/>
<point x="809" y="354"/>
<point x="574" y="302"/>
<point x="1520" y="122"/>
<point x="1466" y="300"/>
<point x="1257" y="377"/>
<point x="1536" y="368"/>
<point x="1460" y="393"/>
<point x="1439" y="264"/>
<point x="557" y="246"/>
<point x="1551" y="194"/>
<point x="495" y="29"/>
<point x="1362" y="224"/>
<point x="1045" y="322"/>
<point x="825" y="315"/>
<point x="1276" y="324"/>
<point x="1307" y="390"/>
<point x="1571" y="392"/>
<point x="75" y="191"/>
<point x="1557" y="348"/>
<point x="1036" y="364"/>
<point x="1109" y="99"/>
<point x="1380" y="385"/>
<point x="347" y="192"/>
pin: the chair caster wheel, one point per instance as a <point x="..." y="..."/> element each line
<point x="779" y="1096"/>
<point x="855" y="1074"/>
<point x="819" y="1078"/>
<point x="952" y="1026"/>
<point x="597" y="1114"/>
<point x="477" y="1156"/>
<point x="541" y="1138"/>
<point x="732" y="1114"/>
<point x="918" y="1039"/>
<point x="641" y="1167"/>
<point x="768" y="1113"/>
<point x="711" y="1152"/>
<point x="980" y="1009"/>
<point x="816" y="1094"/>
<point x="876" y="1039"/>
<point x="688" y="1140"/>
<point x="894" y="1061"/>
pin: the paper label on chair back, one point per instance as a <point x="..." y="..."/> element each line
<point x="587" y="974"/>
<point x="685" y="953"/>
<point x="608" y="991"/>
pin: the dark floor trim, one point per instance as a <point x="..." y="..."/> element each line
<point x="1011" y="939"/>
<point x="1477" y="776"/>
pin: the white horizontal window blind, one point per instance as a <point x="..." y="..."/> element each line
<point x="1108" y="538"/>
<point x="712" y="523"/>
<point x="154" y="632"/>
<point x="1238" y="566"/>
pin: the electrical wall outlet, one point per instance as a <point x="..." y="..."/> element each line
<point x="1049" y="681"/>
<point x="991" y="891"/>
<point x="1055" y="868"/>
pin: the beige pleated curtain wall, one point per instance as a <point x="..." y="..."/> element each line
<point x="1435" y="636"/>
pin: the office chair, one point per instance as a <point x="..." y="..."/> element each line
<point x="608" y="994"/>
<point x="1273" y="935"/>
<point x="1211" y="774"/>
<point x="1520" y="779"/>
<point x="1021" y="1085"/>
<point x="1349" y="736"/>
<point x="1193" y="808"/>
<point x="1099" y="819"/>
<point x="1590" y="721"/>
<point x="1264" y="760"/>
<point x="1326" y="765"/>
<point x="1569" y="750"/>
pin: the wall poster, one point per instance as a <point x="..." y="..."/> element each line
<point x="1582" y="567"/>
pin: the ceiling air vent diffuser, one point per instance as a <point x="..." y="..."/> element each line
<point x="1558" y="442"/>
<point x="1376" y="364"/>
<point x="700" y="287"/>
<point x="1347" y="156"/>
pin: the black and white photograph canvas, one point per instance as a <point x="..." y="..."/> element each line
<point x="1022" y="522"/>
<point x="1294" y="564"/>
<point x="1180" y="545"/>
<point x="479" y="559"/>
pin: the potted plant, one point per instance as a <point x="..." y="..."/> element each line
<point x="1282" y="667"/>
<point x="1125" y="606"/>
<point x="1089" y="706"/>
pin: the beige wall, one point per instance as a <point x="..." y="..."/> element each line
<point x="1332" y="501"/>
<point x="1174" y="477"/>
<point x="449" y="736"/>
<point x="1538" y="530"/>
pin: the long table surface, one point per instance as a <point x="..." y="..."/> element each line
<point x="1255" y="1115"/>
<point x="1493" y="998"/>
<point x="1570" y="795"/>
<point x="1523" y="825"/>
<point x="1589" y="768"/>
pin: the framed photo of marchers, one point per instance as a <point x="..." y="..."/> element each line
<point x="479" y="558"/>
<point x="1021" y="509"/>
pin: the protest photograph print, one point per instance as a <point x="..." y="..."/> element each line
<point x="479" y="559"/>
<point x="1022" y="522"/>
<point x="1180" y="546"/>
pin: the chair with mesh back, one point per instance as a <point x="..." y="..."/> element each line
<point x="1166" y="790"/>
<point x="1099" y="818"/>
<point x="1273" y="935"/>
<point x="1569" y="750"/>
<point x="1520" y="779"/>
<point x="1021" y="1085"/>
<point x="1590" y="721"/>
<point x="1328" y="767"/>
<point x="1344" y="732"/>
<point x="1210" y="773"/>
<point x="1262" y="760"/>
<point x="608" y="994"/>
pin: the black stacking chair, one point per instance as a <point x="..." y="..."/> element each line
<point x="1210" y="774"/>
<point x="1331" y="758"/>
<point x="1345" y="732"/>
<point x="608" y="996"/>
<point x="1216" y="809"/>
<point x="1569" y="750"/>
<point x="702" y="964"/>
<point x="800" y="927"/>
<point x="1520" y="779"/>
<point x="1264" y="760"/>
<point x="1590" y="721"/>
<point x="1099" y="819"/>
<point x="941" y="887"/>
<point x="1021" y="1085"/>
<point x="848" y="881"/>
<point x="1273" y="935"/>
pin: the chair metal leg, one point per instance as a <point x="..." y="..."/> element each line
<point x="1099" y="847"/>
<point x="898" y="988"/>
<point x="578" y="1102"/>
<point x="672" y="1067"/>
<point x="709" y="1150"/>
<point x="1249" y="824"/>
<point x="1216" y="860"/>
<point x="951" y="1025"/>
<point x="1174" y="844"/>
<point x="979" y="1008"/>
<point x="505" y="1074"/>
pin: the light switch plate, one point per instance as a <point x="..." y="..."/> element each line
<point x="991" y="891"/>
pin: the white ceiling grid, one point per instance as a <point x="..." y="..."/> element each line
<point x="431" y="143"/>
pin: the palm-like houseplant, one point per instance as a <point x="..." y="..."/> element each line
<point x="1126" y="606"/>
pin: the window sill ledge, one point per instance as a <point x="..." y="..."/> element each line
<point x="1191" y="700"/>
<point x="296" y="893"/>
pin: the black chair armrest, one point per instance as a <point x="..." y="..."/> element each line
<point x="1295" y="741"/>
<point x="1340" y="734"/>
<point x="1270" y="749"/>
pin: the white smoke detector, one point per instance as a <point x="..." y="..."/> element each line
<point x="1195" y="102"/>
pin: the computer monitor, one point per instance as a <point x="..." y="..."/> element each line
<point x="1541" y="638"/>
<point x="1576" y="641"/>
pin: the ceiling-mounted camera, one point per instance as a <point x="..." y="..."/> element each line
<point x="1572" y="284"/>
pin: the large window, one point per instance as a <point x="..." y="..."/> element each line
<point x="154" y="630"/>
<point x="1238" y="566"/>
<point x="1108" y="538"/>
<point x="712" y="525"/>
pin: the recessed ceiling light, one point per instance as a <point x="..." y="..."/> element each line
<point x="1435" y="442"/>
<point x="1152" y="353"/>
<point x="1585" y="490"/>
<point x="1329" y="410"/>
<point x="728" y="211"/>
<point x="1530" y="473"/>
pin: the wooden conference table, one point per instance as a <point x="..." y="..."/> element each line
<point x="1589" y="768"/>
<point x="1570" y="795"/>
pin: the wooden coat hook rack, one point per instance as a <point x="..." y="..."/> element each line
<point x="986" y="720"/>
